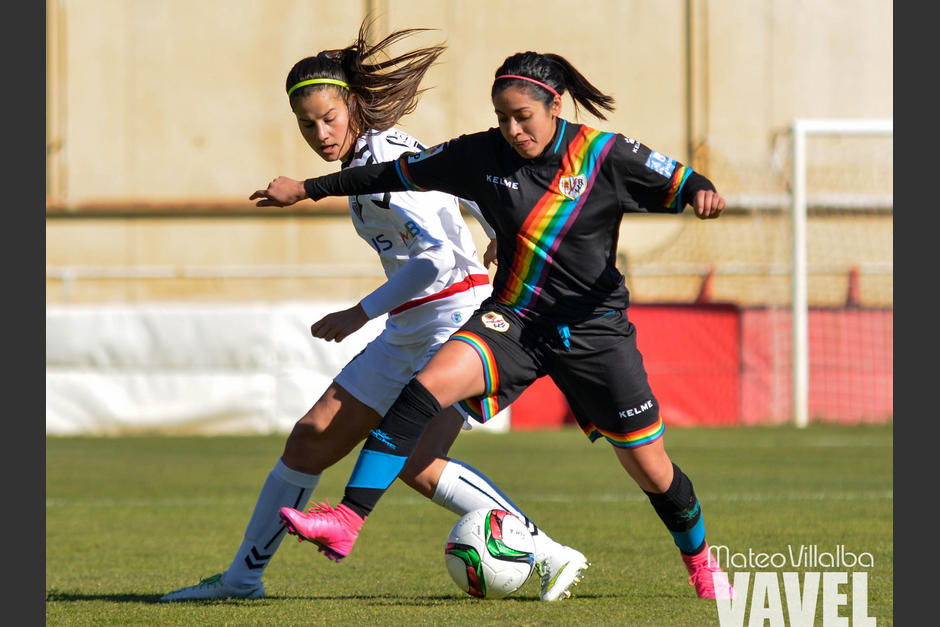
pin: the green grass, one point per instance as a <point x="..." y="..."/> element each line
<point x="128" y="519"/>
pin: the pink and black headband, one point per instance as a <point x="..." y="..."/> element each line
<point x="526" y="78"/>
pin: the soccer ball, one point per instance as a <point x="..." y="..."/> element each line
<point x="489" y="553"/>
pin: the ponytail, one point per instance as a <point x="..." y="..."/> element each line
<point x="545" y="75"/>
<point x="378" y="90"/>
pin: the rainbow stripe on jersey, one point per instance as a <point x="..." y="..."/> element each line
<point x="483" y="407"/>
<point x="552" y="216"/>
<point x="628" y="440"/>
<point x="674" y="195"/>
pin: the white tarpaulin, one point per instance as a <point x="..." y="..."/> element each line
<point x="187" y="368"/>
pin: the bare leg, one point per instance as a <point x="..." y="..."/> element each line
<point x="454" y="373"/>
<point x="648" y="465"/>
<point x="673" y="498"/>
<point x="423" y="469"/>
<point x="335" y="424"/>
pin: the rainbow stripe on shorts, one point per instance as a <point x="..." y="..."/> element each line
<point x="631" y="439"/>
<point x="485" y="406"/>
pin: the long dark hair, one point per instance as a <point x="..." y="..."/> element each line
<point x="556" y="72"/>
<point x="381" y="89"/>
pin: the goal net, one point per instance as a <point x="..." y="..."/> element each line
<point x="841" y="208"/>
<point x="806" y="263"/>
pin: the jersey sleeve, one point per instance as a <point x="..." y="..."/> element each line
<point x="654" y="182"/>
<point x="442" y="167"/>
<point x="376" y="178"/>
<point x="410" y="280"/>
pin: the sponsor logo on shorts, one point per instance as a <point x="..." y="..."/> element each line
<point x="495" y="321"/>
<point x="424" y="154"/>
<point x="572" y="186"/>
<point x="636" y="411"/>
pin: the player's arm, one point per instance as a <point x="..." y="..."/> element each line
<point x="663" y="185"/>
<point x="418" y="273"/>
<point x="376" y="178"/>
<point x="421" y="270"/>
<point x="436" y="168"/>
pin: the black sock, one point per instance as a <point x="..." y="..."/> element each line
<point x="680" y="511"/>
<point x="388" y="447"/>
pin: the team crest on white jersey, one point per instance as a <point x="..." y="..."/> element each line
<point x="572" y="186"/>
<point x="495" y="321"/>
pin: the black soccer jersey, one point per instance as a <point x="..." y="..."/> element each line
<point x="557" y="216"/>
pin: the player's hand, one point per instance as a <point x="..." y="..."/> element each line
<point x="489" y="257"/>
<point x="708" y="204"/>
<point x="336" y="326"/>
<point x="281" y="192"/>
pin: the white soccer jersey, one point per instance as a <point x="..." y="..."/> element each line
<point x="400" y="225"/>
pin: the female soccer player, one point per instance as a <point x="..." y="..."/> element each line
<point x="346" y="102"/>
<point x="555" y="193"/>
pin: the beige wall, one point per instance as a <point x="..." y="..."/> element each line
<point x="665" y="259"/>
<point x="182" y="100"/>
<point x="180" y="103"/>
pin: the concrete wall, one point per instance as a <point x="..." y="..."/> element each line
<point x="164" y="115"/>
<point x="183" y="101"/>
<point x="665" y="259"/>
<point x="167" y="114"/>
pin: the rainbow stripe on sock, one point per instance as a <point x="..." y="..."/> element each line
<point x="483" y="407"/>
<point x="631" y="439"/>
<point x="553" y="215"/>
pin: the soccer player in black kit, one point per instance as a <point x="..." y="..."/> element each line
<point x="555" y="193"/>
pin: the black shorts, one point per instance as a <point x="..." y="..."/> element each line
<point x="598" y="368"/>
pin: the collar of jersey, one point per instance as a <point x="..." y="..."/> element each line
<point x="551" y="150"/>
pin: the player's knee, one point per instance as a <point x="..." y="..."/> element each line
<point x="307" y="448"/>
<point x="307" y="432"/>
<point x="657" y="477"/>
<point x="648" y="465"/>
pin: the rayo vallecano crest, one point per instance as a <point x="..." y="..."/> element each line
<point x="495" y="321"/>
<point x="572" y="186"/>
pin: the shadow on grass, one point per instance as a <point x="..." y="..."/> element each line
<point x="67" y="597"/>
<point x="388" y="600"/>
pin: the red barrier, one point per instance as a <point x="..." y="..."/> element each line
<point x="851" y="366"/>
<point x="721" y="365"/>
<point x="692" y="358"/>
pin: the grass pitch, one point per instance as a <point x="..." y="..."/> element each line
<point x="128" y="519"/>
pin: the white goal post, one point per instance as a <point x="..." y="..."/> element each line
<point x="801" y="129"/>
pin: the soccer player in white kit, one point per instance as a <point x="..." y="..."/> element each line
<point x="435" y="282"/>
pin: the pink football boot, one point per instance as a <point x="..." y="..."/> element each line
<point x="334" y="530"/>
<point x="706" y="575"/>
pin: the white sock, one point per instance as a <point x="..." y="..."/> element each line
<point x="283" y="488"/>
<point x="462" y="489"/>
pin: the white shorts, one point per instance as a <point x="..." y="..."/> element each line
<point x="378" y="373"/>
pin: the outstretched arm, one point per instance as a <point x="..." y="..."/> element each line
<point x="365" y="179"/>
<point x="281" y="192"/>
